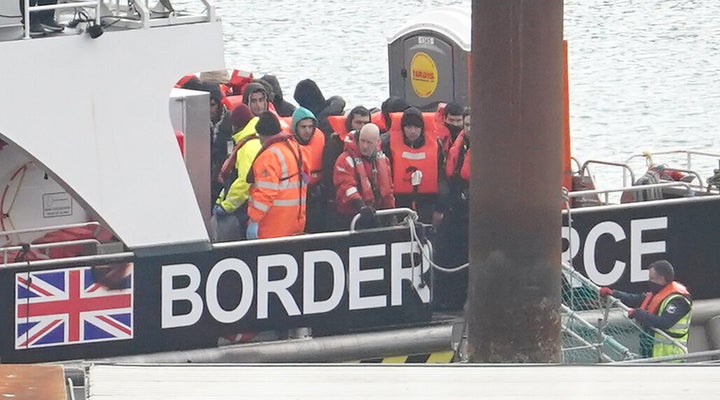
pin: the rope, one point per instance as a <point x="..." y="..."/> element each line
<point x="6" y="213"/>
<point x="411" y="220"/>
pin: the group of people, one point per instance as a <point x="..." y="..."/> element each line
<point x="279" y="170"/>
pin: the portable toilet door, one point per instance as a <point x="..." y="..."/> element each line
<point x="429" y="58"/>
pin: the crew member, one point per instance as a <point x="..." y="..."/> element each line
<point x="417" y="167"/>
<point x="231" y="204"/>
<point x="362" y="177"/>
<point x="666" y="307"/>
<point x="312" y="142"/>
<point x="278" y="179"/>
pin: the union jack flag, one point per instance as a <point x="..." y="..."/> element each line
<point x="65" y="306"/>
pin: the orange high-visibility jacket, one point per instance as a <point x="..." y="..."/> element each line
<point x="277" y="195"/>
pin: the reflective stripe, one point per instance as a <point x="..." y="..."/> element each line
<point x="288" y="203"/>
<point x="283" y="165"/>
<point x="260" y="206"/>
<point x="413" y="156"/>
<point x="285" y="184"/>
<point x="341" y="169"/>
<point x="351" y="191"/>
<point x="350" y="161"/>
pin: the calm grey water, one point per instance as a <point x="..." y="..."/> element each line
<point x="644" y="75"/>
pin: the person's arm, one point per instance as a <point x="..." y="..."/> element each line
<point x="346" y="187"/>
<point x="239" y="190"/>
<point x="632" y="300"/>
<point x="676" y="309"/>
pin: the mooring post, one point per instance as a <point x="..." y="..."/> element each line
<point x="515" y="190"/>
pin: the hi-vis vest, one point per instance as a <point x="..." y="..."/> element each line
<point x="312" y="152"/>
<point x="405" y="160"/>
<point x="656" y="304"/>
<point x="277" y="194"/>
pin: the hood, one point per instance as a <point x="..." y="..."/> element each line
<point x="308" y="95"/>
<point x="275" y="84"/>
<point x="252" y="88"/>
<point x="300" y="114"/>
<point x="248" y="130"/>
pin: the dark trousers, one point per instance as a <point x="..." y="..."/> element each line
<point x="39" y="16"/>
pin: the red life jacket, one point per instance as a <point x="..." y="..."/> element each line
<point x="405" y="160"/>
<point x="378" y="119"/>
<point x="458" y="148"/>
<point x="337" y="122"/>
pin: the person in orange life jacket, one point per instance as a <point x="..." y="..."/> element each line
<point x="667" y="307"/>
<point x="362" y="178"/>
<point x="451" y="242"/>
<point x="230" y="208"/>
<point x="312" y="142"/>
<point x="335" y="144"/>
<point x="282" y="106"/>
<point x="409" y="152"/>
<point x="279" y="179"/>
<point x="453" y="123"/>
<point x="308" y="95"/>
<point x="256" y="97"/>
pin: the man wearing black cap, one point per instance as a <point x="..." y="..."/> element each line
<point x="417" y="161"/>
<point x="278" y="179"/>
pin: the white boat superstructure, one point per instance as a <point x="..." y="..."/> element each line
<point x="87" y="111"/>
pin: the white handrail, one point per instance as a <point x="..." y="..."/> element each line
<point x="50" y="228"/>
<point x="46" y="246"/>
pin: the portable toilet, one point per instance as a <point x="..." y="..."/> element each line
<point x="429" y="58"/>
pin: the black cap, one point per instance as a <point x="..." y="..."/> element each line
<point x="267" y="124"/>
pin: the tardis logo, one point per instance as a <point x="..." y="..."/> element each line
<point x="67" y="306"/>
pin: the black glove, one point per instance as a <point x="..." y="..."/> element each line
<point x="367" y="218"/>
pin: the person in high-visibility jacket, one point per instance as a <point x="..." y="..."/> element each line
<point x="232" y="201"/>
<point x="279" y="179"/>
<point x="666" y="307"/>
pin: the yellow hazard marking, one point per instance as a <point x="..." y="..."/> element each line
<point x="394" y="360"/>
<point x="440" y="357"/>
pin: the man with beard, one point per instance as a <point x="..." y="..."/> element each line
<point x="666" y="307"/>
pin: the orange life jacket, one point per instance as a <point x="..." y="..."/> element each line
<point x="451" y="168"/>
<point x="312" y="152"/>
<point x="651" y="303"/>
<point x="378" y="119"/>
<point x="405" y="160"/>
<point x="337" y="122"/>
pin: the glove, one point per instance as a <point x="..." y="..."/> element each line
<point x="367" y="218"/>
<point x="219" y="211"/>
<point x="606" y="291"/>
<point x="252" y="230"/>
<point x="631" y="313"/>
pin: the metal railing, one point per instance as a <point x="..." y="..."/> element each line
<point x="50" y="245"/>
<point x="30" y="9"/>
<point x="630" y="189"/>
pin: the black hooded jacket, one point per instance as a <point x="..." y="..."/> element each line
<point x="308" y="95"/>
<point x="283" y="107"/>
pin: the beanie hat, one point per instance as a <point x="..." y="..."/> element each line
<point x="240" y="116"/>
<point x="412" y="116"/>
<point x="267" y="124"/>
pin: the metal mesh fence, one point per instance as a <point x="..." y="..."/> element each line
<point x="596" y="329"/>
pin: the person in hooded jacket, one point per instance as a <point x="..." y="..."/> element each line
<point x="362" y="179"/>
<point x="220" y="135"/>
<point x="391" y="105"/>
<point x="232" y="201"/>
<point x="282" y="106"/>
<point x="312" y="142"/>
<point x="308" y="95"/>
<point x="417" y="167"/>
<point x="278" y="179"/>
<point x="452" y="119"/>
<point x="256" y="97"/>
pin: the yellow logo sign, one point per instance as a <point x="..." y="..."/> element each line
<point x="423" y="74"/>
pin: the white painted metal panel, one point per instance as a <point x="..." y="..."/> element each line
<point x="95" y="114"/>
<point x="316" y="382"/>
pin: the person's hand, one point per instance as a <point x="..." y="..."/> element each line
<point x="606" y="291"/>
<point x="631" y="313"/>
<point x="252" y="230"/>
<point x="366" y="219"/>
<point x="218" y="210"/>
